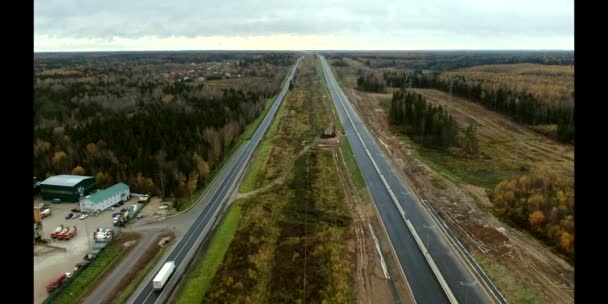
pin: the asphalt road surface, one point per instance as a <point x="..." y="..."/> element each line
<point x="395" y="204"/>
<point x="183" y="251"/>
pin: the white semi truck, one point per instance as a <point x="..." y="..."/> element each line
<point x="163" y="275"/>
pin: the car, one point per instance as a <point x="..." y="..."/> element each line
<point x="124" y="210"/>
<point x="115" y="214"/>
<point x="82" y="217"/>
<point x="69" y="216"/>
<point x="81" y="265"/>
<point x="163" y="207"/>
<point x="76" y="210"/>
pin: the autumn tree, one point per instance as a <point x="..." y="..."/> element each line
<point x="192" y="182"/>
<point x="542" y="202"/>
<point x="78" y="170"/>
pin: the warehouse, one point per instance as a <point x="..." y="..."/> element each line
<point x="106" y="198"/>
<point x="67" y="188"/>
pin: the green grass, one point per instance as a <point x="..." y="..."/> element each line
<point x="89" y="276"/>
<point x="351" y="164"/>
<point x="334" y="112"/>
<point x="514" y="290"/>
<point x="124" y="295"/>
<point x="250" y="181"/>
<point x="347" y="152"/>
<point x="199" y="280"/>
<point x="479" y="172"/>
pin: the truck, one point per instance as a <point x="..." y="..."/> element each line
<point x="61" y="234"/>
<point x="68" y="235"/>
<point x="103" y="235"/>
<point x="57" y="282"/>
<point x="163" y="276"/>
<point x="57" y="230"/>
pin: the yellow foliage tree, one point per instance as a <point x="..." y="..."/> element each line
<point x="78" y="170"/>
<point x="536" y="218"/>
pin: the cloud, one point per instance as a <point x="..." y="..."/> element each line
<point x="384" y="19"/>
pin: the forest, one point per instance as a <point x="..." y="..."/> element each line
<point x="370" y="82"/>
<point x="449" y="60"/>
<point x="541" y="202"/>
<point x="426" y="124"/>
<point x="125" y="118"/>
<point x="522" y="106"/>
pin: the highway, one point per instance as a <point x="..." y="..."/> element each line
<point x="434" y="271"/>
<point x="224" y="185"/>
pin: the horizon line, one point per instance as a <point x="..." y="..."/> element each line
<point x="279" y="50"/>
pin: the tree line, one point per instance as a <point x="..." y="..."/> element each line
<point x="429" y="125"/>
<point x="370" y="82"/>
<point x="520" y="106"/>
<point x="541" y="202"/>
<point x="181" y="143"/>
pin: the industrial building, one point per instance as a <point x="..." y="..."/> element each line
<point x="67" y="188"/>
<point x="106" y="198"/>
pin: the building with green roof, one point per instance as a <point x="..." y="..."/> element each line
<point x="67" y="188"/>
<point x="105" y="198"/>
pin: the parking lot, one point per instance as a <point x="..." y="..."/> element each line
<point x="61" y="255"/>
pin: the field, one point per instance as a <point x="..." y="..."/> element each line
<point x="507" y="148"/>
<point x="523" y="268"/>
<point x="554" y="84"/>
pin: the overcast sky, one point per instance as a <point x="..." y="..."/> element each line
<point x="84" y="25"/>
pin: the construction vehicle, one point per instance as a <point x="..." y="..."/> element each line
<point x="163" y="275"/>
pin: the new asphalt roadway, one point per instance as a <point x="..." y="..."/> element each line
<point x="434" y="270"/>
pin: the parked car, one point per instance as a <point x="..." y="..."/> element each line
<point x="81" y="265"/>
<point x="123" y="209"/>
<point x="115" y="214"/>
<point x="82" y="217"/>
<point x="69" y="216"/>
<point x="76" y="210"/>
<point x="162" y="207"/>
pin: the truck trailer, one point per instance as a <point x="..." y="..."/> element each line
<point x="163" y="275"/>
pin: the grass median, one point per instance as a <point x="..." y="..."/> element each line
<point x="199" y="279"/>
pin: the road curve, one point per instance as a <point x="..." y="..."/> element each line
<point x="435" y="273"/>
<point x="185" y="248"/>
